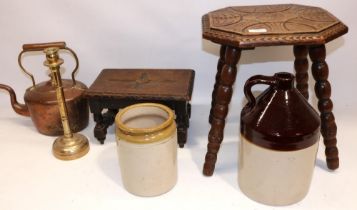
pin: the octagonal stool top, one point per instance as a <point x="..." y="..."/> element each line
<point x="270" y="25"/>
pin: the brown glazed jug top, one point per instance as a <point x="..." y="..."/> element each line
<point x="280" y="118"/>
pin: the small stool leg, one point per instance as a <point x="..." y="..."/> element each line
<point x="99" y="130"/>
<point x="189" y="110"/>
<point x="181" y="136"/>
<point x="218" y="75"/>
<point x="182" y="120"/>
<point x="301" y="66"/>
<point x="103" y="122"/>
<point x="109" y="117"/>
<point x="220" y="109"/>
<point x="320" y="73"/>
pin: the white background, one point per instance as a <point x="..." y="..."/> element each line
<point x="155" y="34"/>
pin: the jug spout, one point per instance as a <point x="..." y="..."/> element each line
<point x="20" y="109"/>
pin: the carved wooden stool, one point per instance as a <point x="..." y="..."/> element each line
<point x="246" y="27"/>
<point x="117" y="88"/>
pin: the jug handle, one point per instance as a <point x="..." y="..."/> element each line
<point x="255" y="80"/>
<point x="41" y="47"/>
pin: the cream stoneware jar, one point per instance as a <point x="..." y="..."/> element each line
<point x="147" y="148"/>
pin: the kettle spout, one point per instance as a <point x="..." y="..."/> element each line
<point x="18" y="108"/>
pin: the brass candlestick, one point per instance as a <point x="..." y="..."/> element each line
<point x="69" y="146"/>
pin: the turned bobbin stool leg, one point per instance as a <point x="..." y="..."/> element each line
<point x="320" y="73"/>
<point x="222" y="98"/>
<point x="301" y="66"/>
<point x="218" y="75"/>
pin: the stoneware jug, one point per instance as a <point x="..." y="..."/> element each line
<point x="147" y="148"/>
<point x="279" y="141"/>
<point x="41" y="101"/>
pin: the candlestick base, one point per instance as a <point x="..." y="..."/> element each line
<point x="72" y="148"/>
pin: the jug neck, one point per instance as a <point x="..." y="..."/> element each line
<point x="284" y="81"/>
<point x="281" y="81"/>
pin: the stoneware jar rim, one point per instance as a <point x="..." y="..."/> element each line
<point x="148" y="134"/>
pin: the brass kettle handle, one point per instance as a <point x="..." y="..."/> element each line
<point x="41" y="47"/>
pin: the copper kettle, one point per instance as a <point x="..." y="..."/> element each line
<point x="41" y="102"/>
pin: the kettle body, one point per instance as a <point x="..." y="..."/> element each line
<point x="43" y="107"/>
<point x="279" y="142"/>
<point x="41" y="101"/>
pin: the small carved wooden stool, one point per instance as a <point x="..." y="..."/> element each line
<point x="117" y="88"/>
<point x="308" y="29"/>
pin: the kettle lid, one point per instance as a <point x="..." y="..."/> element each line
<point x="45" y="92"/>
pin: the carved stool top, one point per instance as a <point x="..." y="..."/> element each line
<point x="153" y="84"/>
<point x="268" y="25"/>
